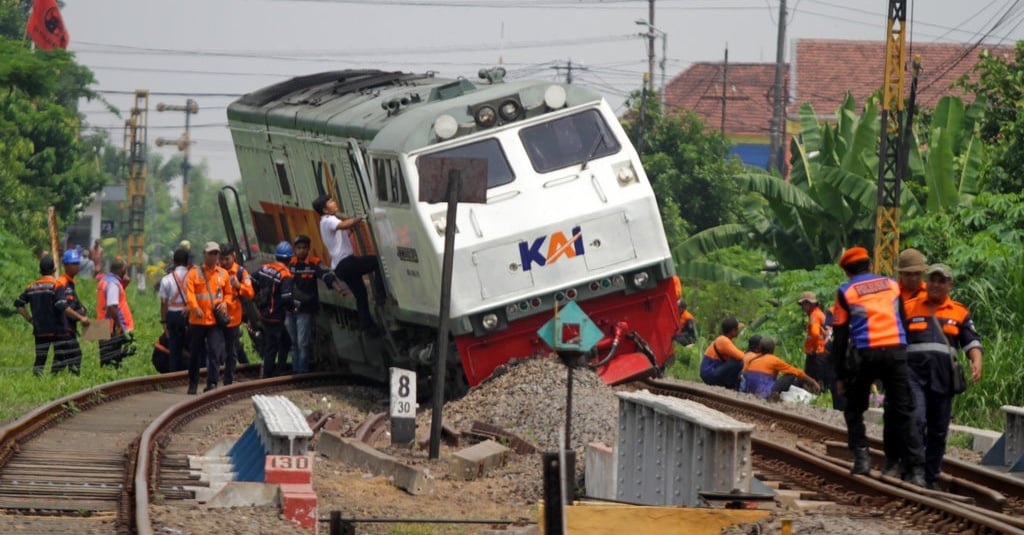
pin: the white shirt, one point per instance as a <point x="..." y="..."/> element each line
<point x="336" y="240"/>
<point x="169" y="289"/>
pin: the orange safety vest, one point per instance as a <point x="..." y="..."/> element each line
<point x="233" y="297"/>
<point x="723" y="349"/>
<point x="124" y="314"/>
<point x="201" y="298"/>
<point x="871" y="305"/>
<point x="815" y="341"/>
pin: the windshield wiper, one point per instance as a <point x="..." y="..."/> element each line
<point x="593" y="149"/>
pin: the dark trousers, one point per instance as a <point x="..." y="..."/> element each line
<point x="67" y="354"/>
<point x="112" y="350"/>
<point x="274" y="350"/>
<point x="232" y="344"/>
<point x="717" y="373"/>
<point x="206" y="346"/>
<point x="932" y="413"/>
<point x="822" y="369"/>
<point x="177" y="330"/>
<point x="890" y="366"/>
<point x="351" y="270"/>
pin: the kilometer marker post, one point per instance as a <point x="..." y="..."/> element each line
<point x="448" y="180"/>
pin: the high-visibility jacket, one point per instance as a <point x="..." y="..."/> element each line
<point x="723" y="349"/>
<point x="871" y="305"/>
<point x="761" y="371"/>
<point x="814" y="343"/>
<point x="274" y="281"/>
<point x="124" y="313"/>
<point x="234" y="297"/>
<point x="41" y="297"/>
<point x="204" y="289"/>
<point x="306" y="291"/>
<point x="67" y="298"/>
<point x="928" y="348"/>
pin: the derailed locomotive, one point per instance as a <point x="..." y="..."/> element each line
<point x="569" y="215"/>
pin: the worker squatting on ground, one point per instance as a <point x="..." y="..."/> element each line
<point x="761" y="370"/>
<point x="868" y="320"/>
<point x="722" y="360"/>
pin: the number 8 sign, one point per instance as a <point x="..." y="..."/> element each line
<point x="403" y="406"/>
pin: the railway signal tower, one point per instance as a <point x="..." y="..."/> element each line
<point x="891" y="162"/>
<point x="135" y="147"/>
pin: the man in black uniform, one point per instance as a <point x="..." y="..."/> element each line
<point x="49" y="325"/>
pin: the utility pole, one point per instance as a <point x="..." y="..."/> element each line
<point x="650" y="46"/>
<point x="725" y="87"/>
<point x="183" y="143"/>
<point x="568" y="70"/>
<point x="778" y="123"/>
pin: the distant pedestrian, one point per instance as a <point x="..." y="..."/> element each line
<point x="761" y="373"/>
<point x="274" y="299"/>
<point x="301" y="323"/>
<point x="239" y="287"/>
<point x="723" y="361"/>
<point x="112" y="305"/>
<point x="868" y="315"/>
<point x="818" y="363"/>
<point x="937" y="327"/>
<point x="50" y="322"/>
<point x="174" y="310"/>
<point x="348" y="266"/>
<point x="204" y="291"/>
<point x="96" y="255"/>
<point x="687" y="334"/>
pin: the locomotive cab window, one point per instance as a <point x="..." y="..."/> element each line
<point x="567" y="141"/>
<point x="498" y="170"/>
<point x="282" y="178"/>
<point x="389" y="182"/>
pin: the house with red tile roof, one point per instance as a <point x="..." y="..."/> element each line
<point x="821" y="73"/>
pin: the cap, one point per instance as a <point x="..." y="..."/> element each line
<point x="939" y="268"/>
<point x="211" y="247"/>
<point x="807" y="297"/>
<point x="852" y="255"/>
<point x="911" y="261"/>
<point x="46" y="265"/>
<point x="301" y="238"/>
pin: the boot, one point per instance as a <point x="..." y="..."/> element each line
<point x="861" y="461"/>
<point x="891" y="468"/>
<point x="192" y="388"/>
<point x="917" y="476"/>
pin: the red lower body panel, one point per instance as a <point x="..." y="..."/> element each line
<point x="650" y="314"/>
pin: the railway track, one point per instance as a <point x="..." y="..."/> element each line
<point x="85" y="463"/>
<point x="979" y="500"/>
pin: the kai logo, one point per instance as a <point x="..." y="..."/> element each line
<point x="558" y="246"/>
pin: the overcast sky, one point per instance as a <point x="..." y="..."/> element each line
<point x="216" y="50"/>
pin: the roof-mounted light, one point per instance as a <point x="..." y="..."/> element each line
<point x="510" y="110"/>
<point x="445" y="126"/>
<point x="486" y="116"/>
<point x="554" y="97"/>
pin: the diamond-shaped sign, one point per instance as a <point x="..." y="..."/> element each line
<point x="575" y="330"/>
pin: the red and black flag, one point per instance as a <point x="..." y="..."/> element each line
<point x="46" y="26"/>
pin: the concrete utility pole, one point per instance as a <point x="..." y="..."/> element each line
<point x="778" y="123"/>
<point x="569" y="67"/>
<point x="725" y="87"/>
<point x="650" y="45"/>
<point x="183" y="143"/>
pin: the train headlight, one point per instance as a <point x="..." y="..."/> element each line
<point x="640" y="279"/>
<point x="510" y="110"/>
<point x="554" y="97"/>
<point x="489" y="321"/>
<point x="445" y="126"/>
<point x="625" y="175"/>
<point x="486" y="116"/>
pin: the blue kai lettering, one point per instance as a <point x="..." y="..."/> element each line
<point x="558" y="246"/>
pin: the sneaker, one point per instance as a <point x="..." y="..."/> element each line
<point x="917" y="477"/>
<point x="192" y="389"/>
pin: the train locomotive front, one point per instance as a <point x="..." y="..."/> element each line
<point x="569" y="216"/>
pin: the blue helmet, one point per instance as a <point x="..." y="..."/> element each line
<point x="71" y="256"/>
<point x="284" y="250"/>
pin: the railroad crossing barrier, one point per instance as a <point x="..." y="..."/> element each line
<point x="1008" y="451"/>
<point x="669" y="450"/>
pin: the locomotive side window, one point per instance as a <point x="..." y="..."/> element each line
<point x="389" y="181"/>
<point x="568" y="141"/>
<point x="498" y="170"/>
<point x="282" y="178"/>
